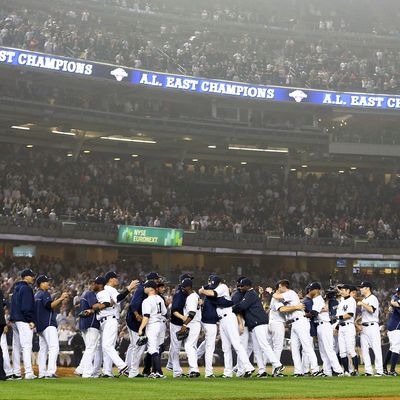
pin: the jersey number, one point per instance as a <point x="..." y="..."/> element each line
<point x="159" y="308"/>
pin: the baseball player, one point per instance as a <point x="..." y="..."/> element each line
<point x="191" y="321"/>
<point x="320" y="313"/>
<point x="291" y="306"/>
<point x="22" y="318"/>
<point x="393" y="327"/>
<point x="46" y="327"/>
<point x="133" y="319"/>
<point x="257" y="322"/>
<point x="346" y="312"/>
<point x="90" y="364"/>
<point x="154" y="313"/>
<point x="108" y="312"/>
<point x="3" y="375"/>
<point x="276" y="325"/>
<point x="178" y="303"/>
<point x="370" y="336"/>
<point x="229" y="329"/>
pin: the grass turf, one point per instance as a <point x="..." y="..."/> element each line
<point x="200" y="389"/>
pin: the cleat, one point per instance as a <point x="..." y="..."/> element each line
<point x="337" y="373"/>
<point x="298" y="376"/>
<point x="194" y="374"/>
<point x="123" y="370"/>
<point x="355" y="373"/>
<point x="317" y="373"/>
<point x="181" y="376"/>
<point x="226" y="376"/>
<point x="210" y="376"/>
<point x="248" y="374"/>
<point x="107" y="376"/>
<point x="393" y="373"/>
<point x="278" y="371"/>
<point x="54" y="376"/>
<point x="378" y="375"/>
<point x="262" y="376"/>
<point x="30" y="377"/>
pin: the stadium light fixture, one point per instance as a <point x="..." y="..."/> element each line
<point x="195" y="159"/>
<point x="21" y="127"/>
<point x="244" y="163"/>
<point x="119" y="139"/>
<point x="135" y="155"/>
<point x="341" y="171"/>
<point x="63" y="133"/>
<point x="187" y="139"/>
<point x="304" y="166"/>
<point x="271" y="150"/>
<point x="353" y="168"/>
<point x="117" y="159"/>
<point x="86" y="151"/>
<point x="293" y="169"/>
<point x="212" y="146"/>
<point x="69" y="154"/>
<point x="29" y="146"/>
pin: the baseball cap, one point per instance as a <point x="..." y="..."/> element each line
<point x="345" y="286"/>
<point x="239" y="279"/>
<point x="100" y="280"/>
<point x="184" y="276"/>
<point x="150" y="284"/>
<point x="110" y="275"/>
<point x="353" y="288"/>
<point x="186" y="283"/>
<point x="152" y="276"/>
<point x="27" y="272"/>
<point x="398" y="289"/>
<point x="314" y="286"/>
<point x="245" y="282"/>
<point x="42" y="278"/>
<point x="365" y="284"/>
<point x="214" y="282"/>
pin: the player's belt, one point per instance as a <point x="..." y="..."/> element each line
<point x="105" y="318"/>
<point x="322" y="322"/>
<point x="223" y="316"/>
<point x="345" y="323"/>
<point x="368" y="323"/>
<point x="290" y="321"/>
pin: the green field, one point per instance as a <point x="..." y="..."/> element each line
<point x="137" y="389"/>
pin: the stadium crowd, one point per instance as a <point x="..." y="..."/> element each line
<point x="201" y="197"/>
<point x="203" y="50"/>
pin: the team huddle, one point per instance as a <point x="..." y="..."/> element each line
<point x="333" y="318"/>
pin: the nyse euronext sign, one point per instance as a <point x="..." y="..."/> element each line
<point x="84" y="68"/>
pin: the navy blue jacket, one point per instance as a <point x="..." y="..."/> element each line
<point x="178" y="304"/>
<point x="22" y="303"/>
<point x="209" y="311"/>
<point x="252" y="310"/>
<point x="394" y="317"/>
<point x="237" y="296"/>
<point x="44" y="315"/>
<point x="308" y="302"/>
<point x="86" y="302"/>
<point x="135" y="306"/>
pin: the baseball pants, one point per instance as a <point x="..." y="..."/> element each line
<point x="153" y="333"/>
<point x="277" y="337"/>
<point x="22" y="341"/>
<point x="207" y="347"/>
<point x="370" y="337"/>
<point x="394" y="340"/>
<point x="329" y="358"/>
<point x="260" y="335"/>
<point x="229" y="330"/>
<point x="136" y="354"/>
<point x="191" y="345"/>
<point x="244" y="341"/>
<point x="347" y="340"/>
<point x="260" y="360"/>
<point x="174" y="349"/>
<point x="109" y="333"/>
<point x="300" y="339"/>
<point x="90" y="364"/>
<point x="48" y="346"/>
<point x="6" y="355"/>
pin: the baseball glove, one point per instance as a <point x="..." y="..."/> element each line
<point x="142" y="340"/>
<point x="183" y="335"/>
<point x="84" y="314"/>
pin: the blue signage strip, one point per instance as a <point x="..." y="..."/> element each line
<point x="84" y="68"/>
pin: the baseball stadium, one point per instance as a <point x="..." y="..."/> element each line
<point x="199" y="199"/>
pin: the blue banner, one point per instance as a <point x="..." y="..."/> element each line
<point x="84" y="68"/>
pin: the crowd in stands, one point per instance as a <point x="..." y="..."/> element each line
<point x="203" y="49"/>
<point x="193" y="196"/>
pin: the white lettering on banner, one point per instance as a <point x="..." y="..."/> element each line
<point x="153" y="82"/>
<point x="7" y="56"/>
<point x="336" y="101"/>
<point x="367" y="101"/>
<point x="181" y="83"/>
<point x="393" y="102"/>
<point x="56" y="64"/>
<point x="237" y="90"/>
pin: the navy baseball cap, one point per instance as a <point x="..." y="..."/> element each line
<point x="365" y="284"/>
<point x="214" y="282"/>
<point x="150" y="284"/>
<point x="245" y="282"/>
<point x="398" y="289"/>
<point x="27" y="272"/>
<point x="239" y="279"/>
<point x="184" y="276"/>
<point x="314" y="286"/>
<point x="345" y="286"/>
<point x="186" y="283"/>
<point x="42" y="278"/>
<point x="100" y="280"/>
<point x="152" y="276"/>
<point x="110" y="275"/>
